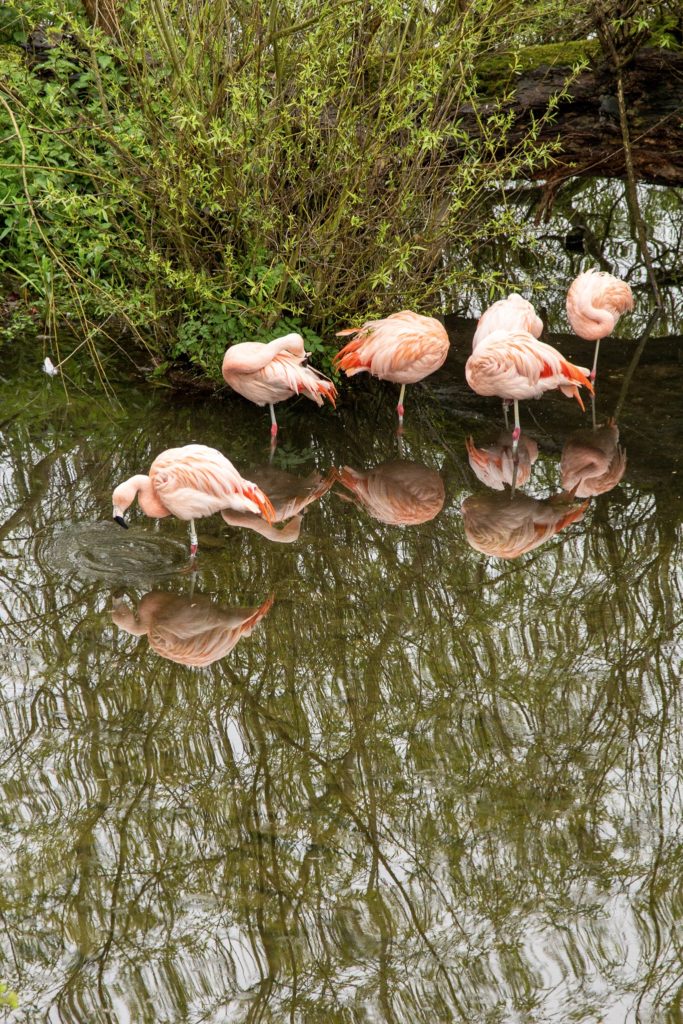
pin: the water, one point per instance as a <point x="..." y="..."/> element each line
<point x="365" y="772"/>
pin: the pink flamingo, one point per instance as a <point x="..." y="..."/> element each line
<point x="189" y="483"/>
<point x="592" y="461"/>
<point x="508" y="315"/>
<point x="514" y="365"/>
<point x="494" y="464"/>
<point x="272" y="372"/>
<point x="191" y="631"/>
<point x="595" y="301"/>
<point x="403" y="348"/>
<point x="290" y="495"/>
<point x="399" y="493"/>
<point x="505" y="527"/>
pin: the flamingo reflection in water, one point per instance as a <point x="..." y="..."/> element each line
<point x="290" y="495"/>
<point x="191" y="631"/>
<point x="494" y="464"/>
<point x="506" y="527"/>
<point x="592" y="461"/>
<point x="399" y="493"/>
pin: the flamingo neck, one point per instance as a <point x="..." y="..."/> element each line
<point x="147" y="497"/>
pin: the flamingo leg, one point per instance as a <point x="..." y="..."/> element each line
<point x="506" y="406"/>
<point x="593" y="372"/>
<point x="515" y="449"/>
<point x="399" y="408"/>
<point x="194" y="543"/>
<point x="591" y="377"/>
<point x="273" y="421"/>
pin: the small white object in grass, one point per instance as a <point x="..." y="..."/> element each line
<point x="49" y="367"/>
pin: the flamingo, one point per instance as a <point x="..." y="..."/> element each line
<point x="404" y="347"/>
<point x="494" y="464"/>
<point x="508" y="314"/>
<point x="400" y="493"/>
<point x="272" y="372"/>
<point x="514" y="365"/>
<point x="289" y="494"/>
<point x="505" y="527"/>
<point x="191" y="631"/>
<point x="595" y="301"/>
<point x="189" y="483"/>
<point x="592" y="461"/>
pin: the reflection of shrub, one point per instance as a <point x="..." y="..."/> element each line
<point x="7" y="996"/>
<point x="218" y="169"/>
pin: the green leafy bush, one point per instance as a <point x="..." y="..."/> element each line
<point x="215" y="172"/>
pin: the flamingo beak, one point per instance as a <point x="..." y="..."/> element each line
<point x="118" y="518"/>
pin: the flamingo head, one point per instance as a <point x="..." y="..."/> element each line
<point x="122" y="497"/>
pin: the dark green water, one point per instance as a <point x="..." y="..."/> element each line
<point x="425" y="784"/>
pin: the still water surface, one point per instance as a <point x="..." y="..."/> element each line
<point x="357" y="767"/>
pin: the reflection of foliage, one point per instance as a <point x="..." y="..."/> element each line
<point x="427" y="783"/>
<point x="7" y="996"/>
<point x="589" y="226"/>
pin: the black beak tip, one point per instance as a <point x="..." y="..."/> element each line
<point x="121" y="521"/>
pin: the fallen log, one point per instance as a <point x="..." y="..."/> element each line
<point x="586" y="125"/>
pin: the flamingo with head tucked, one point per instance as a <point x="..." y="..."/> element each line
<point x="404" y="347"/>
<point x="190" y="482"/>
<point x="595" y="301"/>
<point x="507" y="315"/>
<point x="273" y="372"/>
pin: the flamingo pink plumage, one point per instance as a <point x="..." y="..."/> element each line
<point x="508" y="315"/>
<point x="290" y="496"/>
<point x="595" y="301"/>
<point x="515" y="365"/>
<point x="400" y="493"/>
<point x="190" y="631"/>
<point x="403" y="348"/>
<point x="592" y="461"/>
<point x="273" y="372"/>
<point x="190" y="482"/>
<point x="494" y="464"/>
<point x="506" y="527"/>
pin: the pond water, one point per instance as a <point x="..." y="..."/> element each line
<point x="414" y="755"/>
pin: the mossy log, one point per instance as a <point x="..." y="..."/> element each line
<point x="586" y="125"/>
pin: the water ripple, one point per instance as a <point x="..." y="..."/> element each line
<point x="103" y="551"/>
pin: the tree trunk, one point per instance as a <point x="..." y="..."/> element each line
<point x="587" y="122"/>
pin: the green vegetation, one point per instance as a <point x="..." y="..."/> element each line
<point x="203" y="172"/>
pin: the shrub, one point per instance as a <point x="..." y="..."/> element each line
<point x="215" y="172"/>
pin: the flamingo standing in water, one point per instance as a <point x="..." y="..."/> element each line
<point x="595" y="301"/>
<point x="189" y="483"/>
<point x="272" y="372"/>
<point x="508" y="315"/>
<point x="404" y="347"/>
<point x="514" y="365"/>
